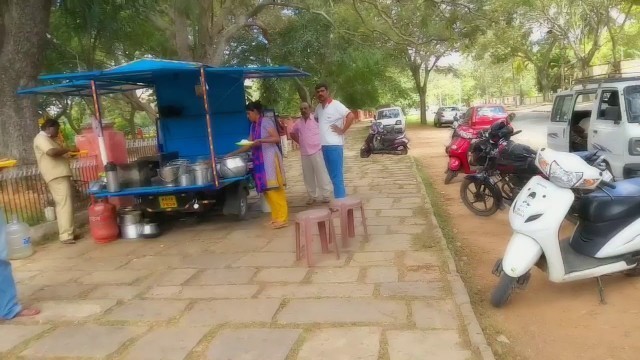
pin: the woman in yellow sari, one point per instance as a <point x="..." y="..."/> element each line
<point x="268" y="167"/>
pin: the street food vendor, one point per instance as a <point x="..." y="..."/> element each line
<point x="54" y="167"/>
<point x="268" y="166"/>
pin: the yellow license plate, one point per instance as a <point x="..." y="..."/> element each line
<point x="168" y="202"/>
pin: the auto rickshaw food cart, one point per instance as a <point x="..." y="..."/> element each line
<point x="201" y="115"/>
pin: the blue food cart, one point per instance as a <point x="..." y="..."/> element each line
<point x="201" y="114"/>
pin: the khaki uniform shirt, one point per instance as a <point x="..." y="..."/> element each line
<point x="50" y="167"/>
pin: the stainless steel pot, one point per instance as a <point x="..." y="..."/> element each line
<point x="235" y="166"/>
<point x="186" y="179"/>
<point x="129" y="216"/>
<point x="150" y="230"/>
<point x="169" y="174"/>
<point x="202" y="173"/>
<point x="130" y="231"/>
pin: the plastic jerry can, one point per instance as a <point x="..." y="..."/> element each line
<point x="18" y="240"/>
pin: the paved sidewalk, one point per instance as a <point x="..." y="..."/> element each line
<point x="233" y="290"/>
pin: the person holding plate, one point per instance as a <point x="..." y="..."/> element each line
<point x="268" y="166"/>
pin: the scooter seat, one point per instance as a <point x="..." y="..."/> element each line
<point x="608" y="204"/>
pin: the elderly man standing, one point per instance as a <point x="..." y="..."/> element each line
<point x="334" y="119"/>
<point x="54" y="168"/>
<point x="306" y="132"/>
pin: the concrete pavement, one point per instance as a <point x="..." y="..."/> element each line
<point x="233" y="290"/>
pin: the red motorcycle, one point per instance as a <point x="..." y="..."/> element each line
<point x="458" y="151"/>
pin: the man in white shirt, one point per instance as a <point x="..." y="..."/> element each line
<point x="334" y="119"/>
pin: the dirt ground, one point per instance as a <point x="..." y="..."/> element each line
<point x="546" y="320"/>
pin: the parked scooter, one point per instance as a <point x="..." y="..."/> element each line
<point x="458" y="151"/>
<point x="462" y="138"/>
<point x="605" y="241"/>
<point x="388" y="139"/>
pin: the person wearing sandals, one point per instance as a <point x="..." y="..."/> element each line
<point x="268" y="166"/>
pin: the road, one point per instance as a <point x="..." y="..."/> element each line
<point x="534" y="128"/>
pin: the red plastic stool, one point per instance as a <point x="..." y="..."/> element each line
<point x="305" y="221"/>
<point x="345" y="207"/>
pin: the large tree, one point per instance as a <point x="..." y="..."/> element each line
<point x="420" y="32"/>
<point x="23" y="27"/>
<point x="201" y="30"/>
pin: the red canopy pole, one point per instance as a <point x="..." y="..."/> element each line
<point x="205" y="96"/>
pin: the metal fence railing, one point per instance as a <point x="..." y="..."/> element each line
<point x="141" y="147"/>
<point x="23" y="192"/>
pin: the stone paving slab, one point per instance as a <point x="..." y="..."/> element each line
<point x="419" y="345"/>
<point x="226" y="289"/>
<point x="253" y="344"/>
<point x="166" y="344"/>
<point x="13" y="335"/>
<point x="341" y="311"/>
<point x="361" y="343"/>
<point x="82" y="341"/>
<point x="148" y="310"/>
<point x="237" y="311"/>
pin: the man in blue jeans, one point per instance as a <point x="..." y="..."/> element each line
<point x="334" y="119"/>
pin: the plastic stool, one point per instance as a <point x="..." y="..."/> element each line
<point x="305" y="221"/>
<point x="345" y="207"/>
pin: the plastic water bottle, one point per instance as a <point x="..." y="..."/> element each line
<point x="3" y="236"/>
<point x="18" y="240"/>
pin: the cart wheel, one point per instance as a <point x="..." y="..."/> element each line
<point x="235" y="202"/>
<point x="242" y="204"/>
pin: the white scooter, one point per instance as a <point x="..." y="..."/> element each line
<point x="605" y="241"/>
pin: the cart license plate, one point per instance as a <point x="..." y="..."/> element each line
<point x="168" y="202"/>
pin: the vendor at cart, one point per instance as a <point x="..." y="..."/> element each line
<point x="268" y="166"/>
<point x="54" y="167"/>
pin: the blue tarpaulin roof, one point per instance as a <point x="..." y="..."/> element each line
<point x="144" y="73"/>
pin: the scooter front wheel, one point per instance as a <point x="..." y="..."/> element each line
<point x="502" y="292"/>
<point x="450" y="175"/>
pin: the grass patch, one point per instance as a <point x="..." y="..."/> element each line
<point x="490" y="328"/>
<point x="413" y="119"/>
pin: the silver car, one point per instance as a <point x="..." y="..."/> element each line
<point x="445" y="115"/>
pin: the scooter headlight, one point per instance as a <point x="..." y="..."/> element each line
<point x="563" y="178"/>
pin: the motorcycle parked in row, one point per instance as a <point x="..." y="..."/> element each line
<point x="387" y="139"/>
<point x="462" y="138"/>
<point x="505" y="168"/>
<point x="605" y="241"/>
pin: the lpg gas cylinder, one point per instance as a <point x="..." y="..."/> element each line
<point x="103" y="222"/>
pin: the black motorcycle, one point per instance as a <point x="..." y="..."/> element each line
<point x="506" y="167"/>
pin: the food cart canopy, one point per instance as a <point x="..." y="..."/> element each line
<point x="144" y="73"/>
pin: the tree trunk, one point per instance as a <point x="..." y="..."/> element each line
<point x="616" y="66"/>
<point x="131" y="121"/>
<point x="20" y="64"/>
<point x="303" y="92"/>
<point x="181" y="35"/>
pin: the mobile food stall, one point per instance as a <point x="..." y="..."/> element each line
<point x="201" y="116"/>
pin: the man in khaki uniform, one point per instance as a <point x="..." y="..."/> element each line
<point x="54" y="166"/>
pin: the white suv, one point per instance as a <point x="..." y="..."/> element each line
<point x="391" y="116"/>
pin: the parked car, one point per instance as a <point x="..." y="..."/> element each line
<point x="600" y="114"/>
<point x="391" y="116"/>
<point x="483" y="116"/>
<point x="445" y="115"/>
